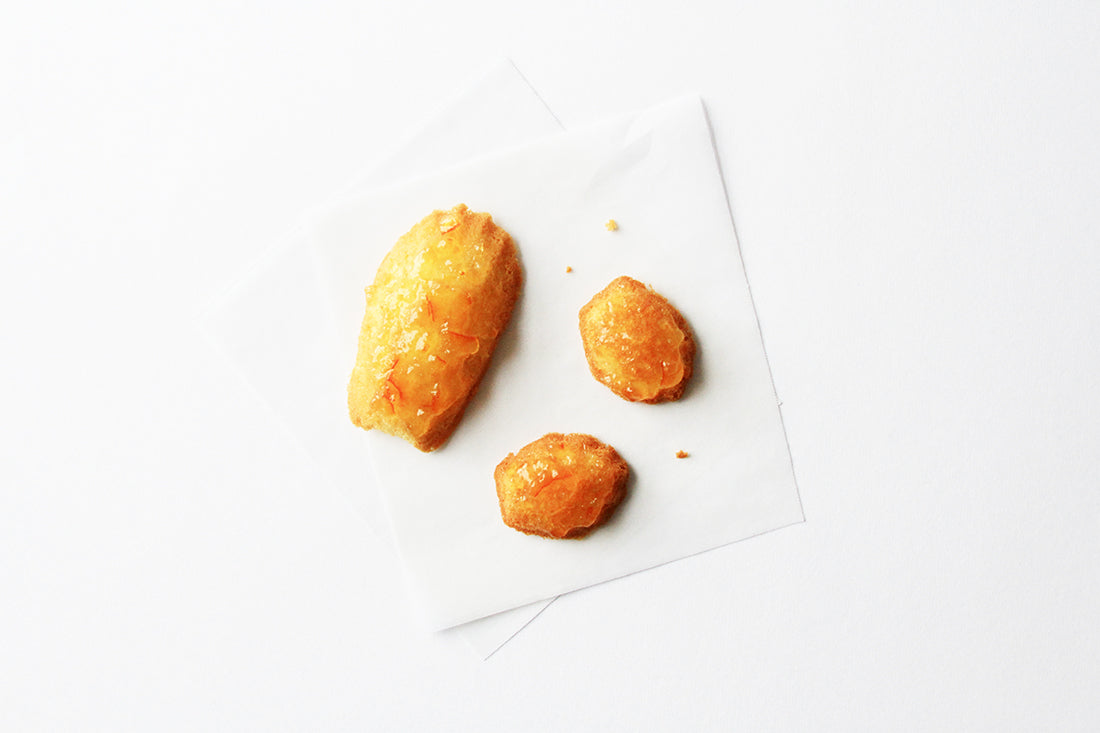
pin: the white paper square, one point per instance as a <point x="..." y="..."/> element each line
<point x="657" y="174"/>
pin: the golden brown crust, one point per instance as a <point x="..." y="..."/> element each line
<point x="637" y="343"/>
<point x="560" y="486"/>
<point x="438" y="304"/>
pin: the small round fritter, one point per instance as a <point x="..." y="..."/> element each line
<point x="560" y="486"/>
<point x="637" y="343"/>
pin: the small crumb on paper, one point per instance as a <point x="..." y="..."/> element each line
<point x="611" y="225"/>
<point x="568" y="268"/>
<point x="682" y="454"/>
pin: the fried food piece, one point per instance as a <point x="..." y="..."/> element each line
<point x="560" y="486"/>
<point x="637" y="343"/>
<point x="440" y="299"/>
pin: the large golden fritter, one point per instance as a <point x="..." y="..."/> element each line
<point x="636" y="342"/>
<point x="439" y="302"/>
<point x="560" y="486"/>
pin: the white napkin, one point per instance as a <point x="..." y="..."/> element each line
<point x="274" y="327"/>
<point x="656" y="173"/>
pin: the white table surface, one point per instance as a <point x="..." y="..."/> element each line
<point x="917" y="192"/>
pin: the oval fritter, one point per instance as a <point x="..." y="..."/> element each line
<point x="560" y="486"/>
<point x="439" y="302"/>
<point x="637" y="343"/>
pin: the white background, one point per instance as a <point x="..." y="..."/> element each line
<point x="916" y="190"/>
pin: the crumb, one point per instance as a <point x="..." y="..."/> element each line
<point x="611" y="225"/>
<point x="568" y="268"/>
<point x="682" y="454"/>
